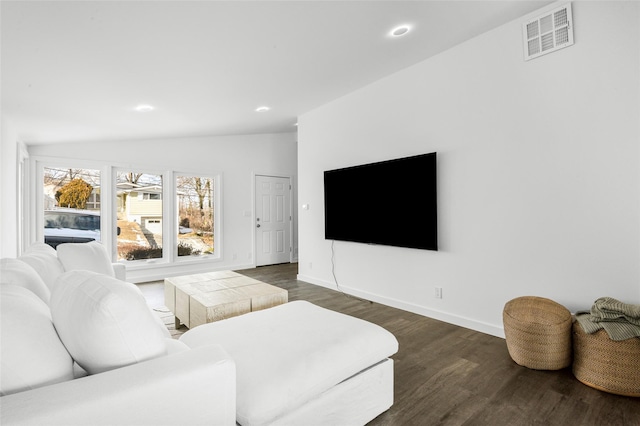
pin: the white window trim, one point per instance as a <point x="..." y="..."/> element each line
<point x="217" y="218"/>
<point x="23" y="170"/>
<point x="34" y="200"/>
<point x="166" y="242"/>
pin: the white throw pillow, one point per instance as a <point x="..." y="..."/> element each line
<point x="90" y="256"/>
<point x="45" y="263"/>
<point x="17" y="272"/>
<point x="40" y="247"/>
<point x="104" y="323"/>
<point x="31" y="354"/>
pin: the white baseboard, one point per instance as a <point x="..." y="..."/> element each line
<point x="411" y="307"/>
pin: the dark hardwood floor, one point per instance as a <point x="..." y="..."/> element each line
<point x="449" y="375"/>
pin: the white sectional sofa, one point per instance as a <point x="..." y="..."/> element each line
<point x="82" y="347"/>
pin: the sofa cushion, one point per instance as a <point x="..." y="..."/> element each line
<point x="17" y="272"/>
<point x="31" y="354"/>
<point x="288" y="355"/>
<point x="105" y="323"/>
<point x="90" y="256"/>
<point x="45" y="263"/>
<point x="175" y="346"/>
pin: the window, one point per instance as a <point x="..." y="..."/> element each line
<point x="93" y="203"/>
<point x="146" y="216"/>
<point x="195" y="215"/>
<point x="151" y="196"/>
<point x="70" y="196"/>
<point x="139" y="211"/>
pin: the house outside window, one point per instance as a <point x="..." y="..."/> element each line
<point x="140" y="211"/>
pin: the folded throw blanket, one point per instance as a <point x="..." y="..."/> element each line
<point x="620" y="320"/>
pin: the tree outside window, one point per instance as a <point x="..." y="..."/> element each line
<point x="195" y="215"/>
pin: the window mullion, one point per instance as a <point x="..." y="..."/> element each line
<point x="169" y="224"/>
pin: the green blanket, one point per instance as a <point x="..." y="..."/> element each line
<point x="620" y="320"/>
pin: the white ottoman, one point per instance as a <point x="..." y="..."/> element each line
<point x="298" y="363"/>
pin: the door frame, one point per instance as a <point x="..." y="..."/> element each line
<point x="253" y="214"/>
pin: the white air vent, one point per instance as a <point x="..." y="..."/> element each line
<point x="548" y="32"/>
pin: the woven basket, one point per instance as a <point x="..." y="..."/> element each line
<point x="608" y="365"/>
<point x="538" y="333"/>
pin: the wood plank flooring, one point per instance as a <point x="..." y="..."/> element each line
<point x="449" y="375"/>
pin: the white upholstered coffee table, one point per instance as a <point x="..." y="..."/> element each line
<point x="201" y="298"/>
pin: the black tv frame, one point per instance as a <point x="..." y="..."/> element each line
<point x="392" y="203"/>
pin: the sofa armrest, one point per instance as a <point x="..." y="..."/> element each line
<point x="120" y="271"/>
<point x="194" y="387"/>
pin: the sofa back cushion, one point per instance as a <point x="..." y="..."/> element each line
<point x="90" y="256"/>
<point x="105" y="323"/>
<point x="31" y="354"/>
<point x="45" y="263"/>
<point x="17" y="272"/>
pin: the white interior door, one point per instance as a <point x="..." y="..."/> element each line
<point x="273" y="220"/>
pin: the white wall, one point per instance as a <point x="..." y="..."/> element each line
<point x="237" y="158"/>
<point x="538" y="168"/>
<point x="8" y="189"/>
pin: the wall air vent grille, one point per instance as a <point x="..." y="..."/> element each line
<point x="548" y="32"/>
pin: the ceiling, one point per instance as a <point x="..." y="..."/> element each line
<point x="75" y="71"/>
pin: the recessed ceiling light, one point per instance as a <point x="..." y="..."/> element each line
<point x="262" y="109"/>
<point x="400" y="31"/>
<point x="144" y="108"/>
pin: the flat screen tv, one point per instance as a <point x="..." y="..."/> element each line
<point x="391" y="203"/>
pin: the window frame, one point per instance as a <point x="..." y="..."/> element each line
<point x="35" y="228"/>
<point x="217" y="211"/>
<point x="138" y="263"/>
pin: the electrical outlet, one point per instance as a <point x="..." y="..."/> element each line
<point x="438" y="293"/>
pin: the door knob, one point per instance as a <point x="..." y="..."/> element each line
<point x="258" y="226"/>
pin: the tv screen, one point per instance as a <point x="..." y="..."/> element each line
<point x="390" y="203"/>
